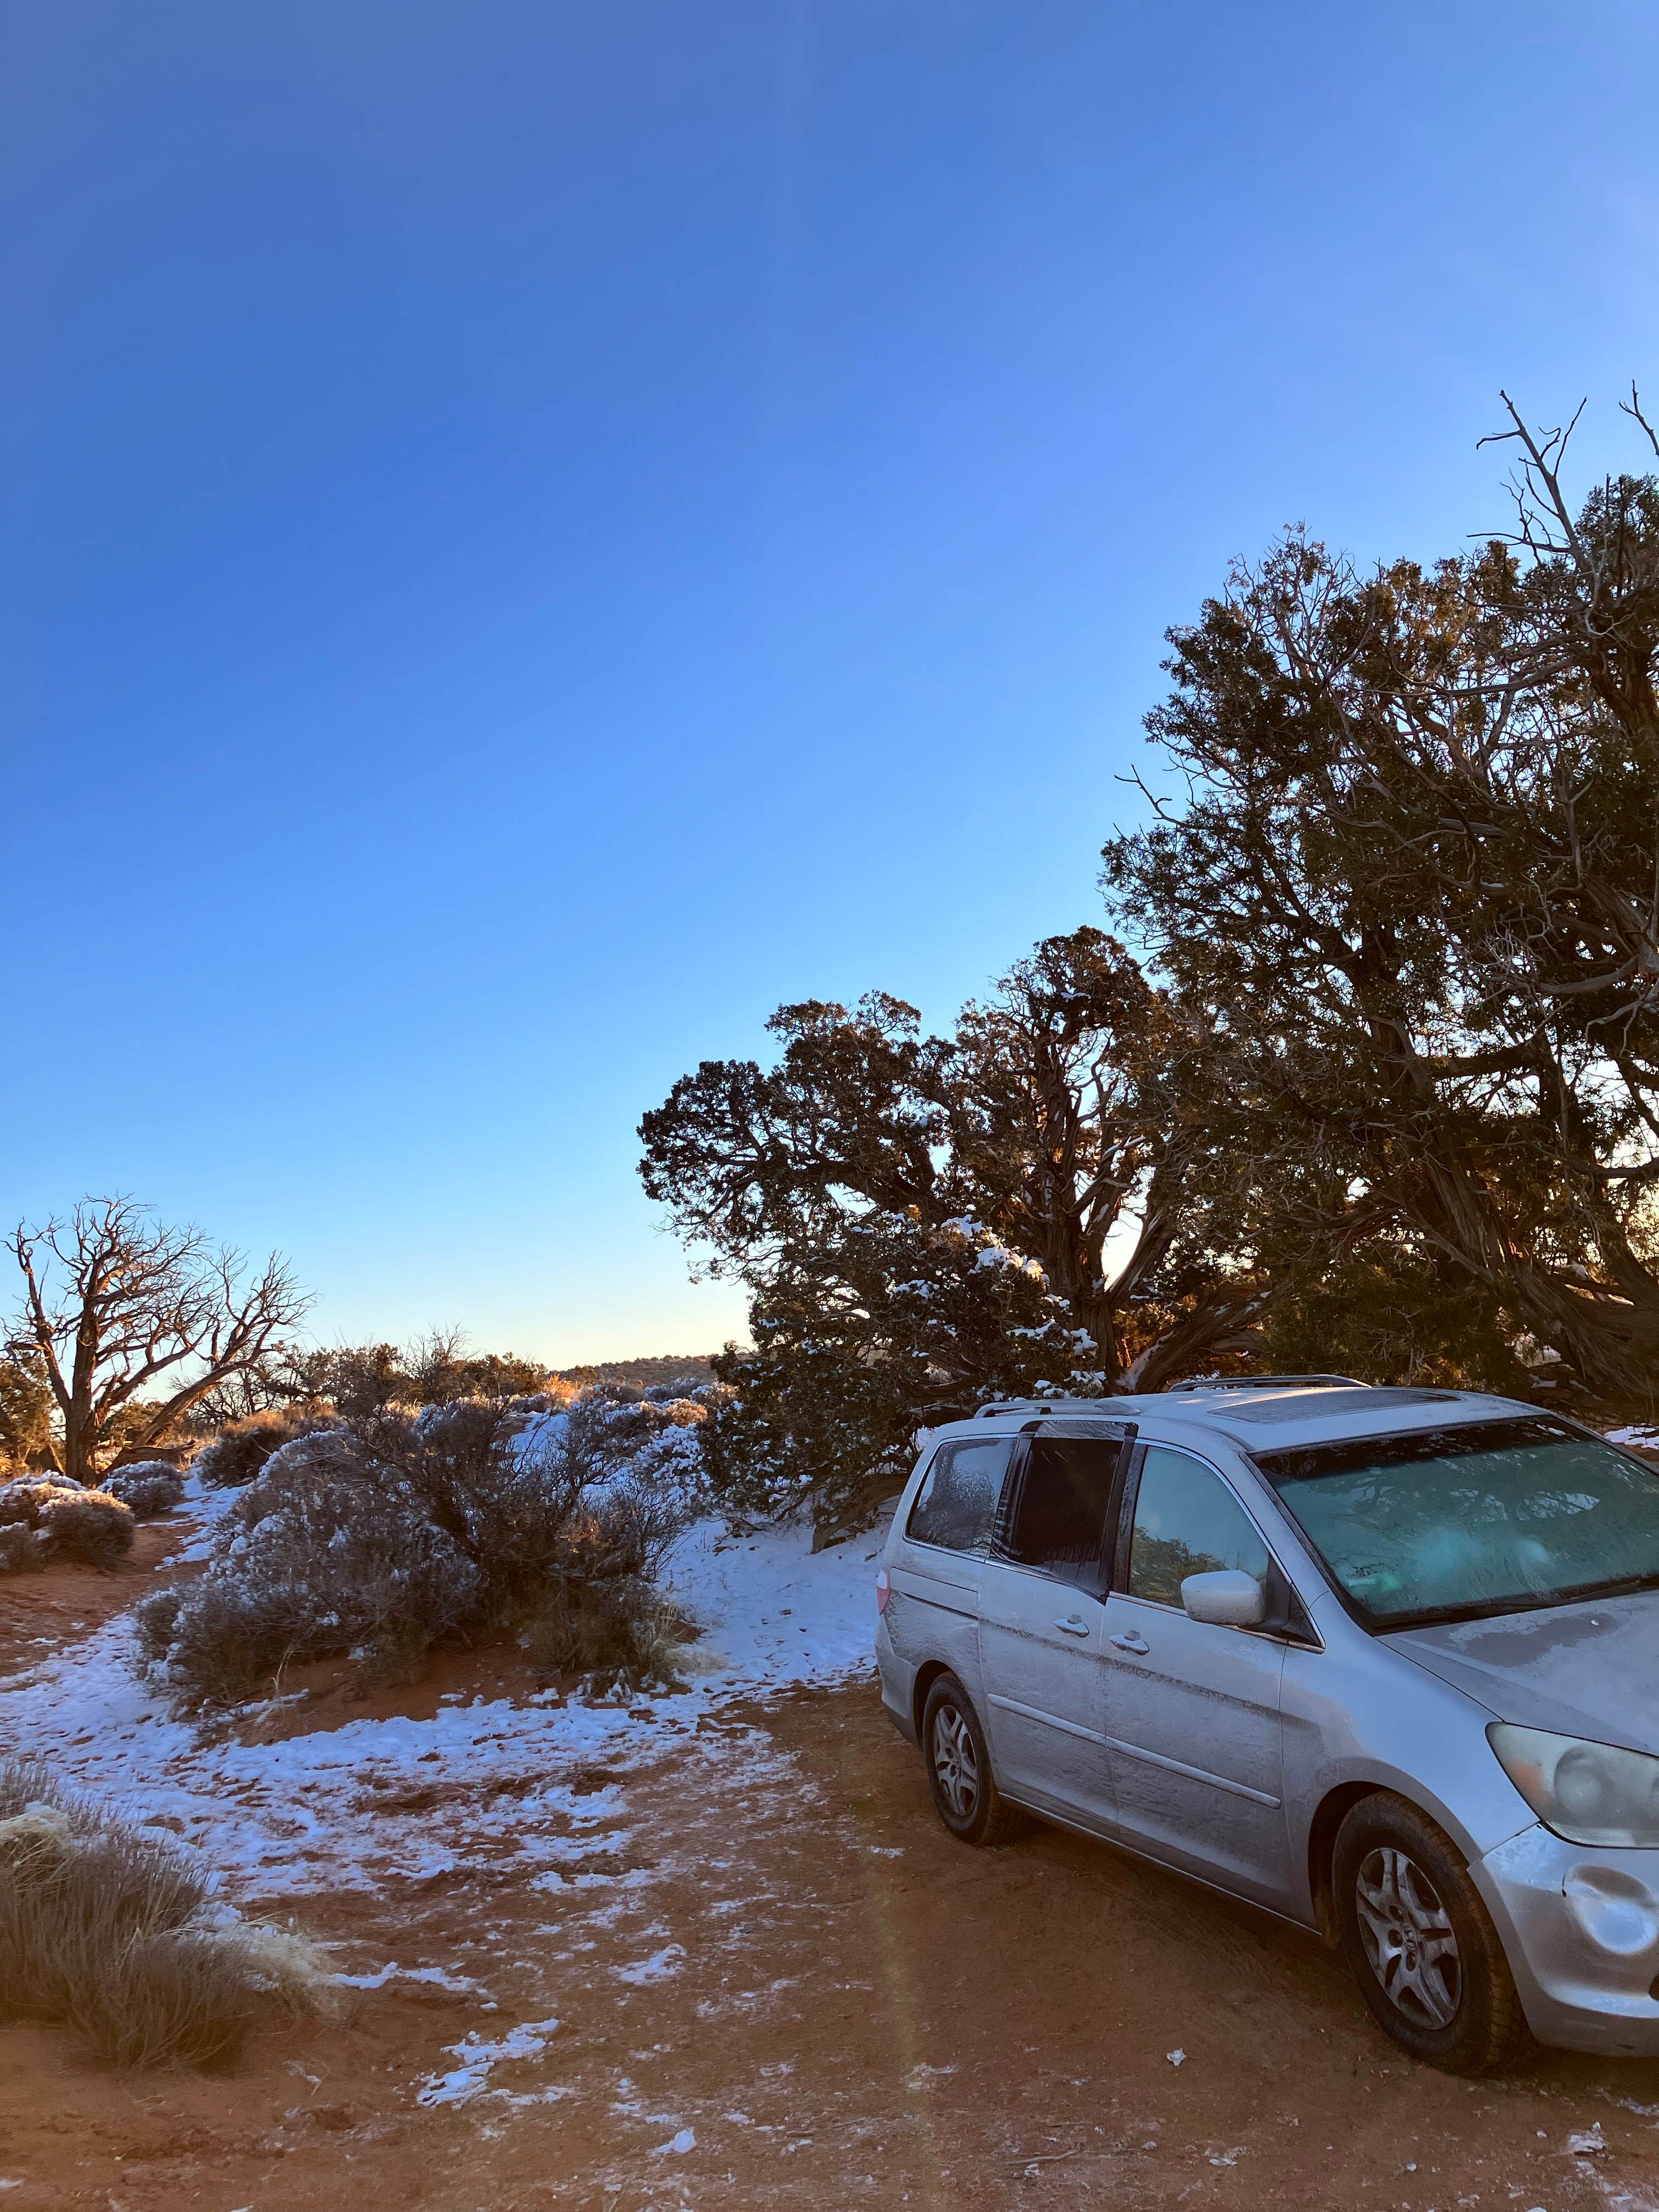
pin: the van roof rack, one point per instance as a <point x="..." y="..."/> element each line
<point x="1102" y="1406"/>
<point x="1114" y="1408"/>
<point x="1265" y="1382"/>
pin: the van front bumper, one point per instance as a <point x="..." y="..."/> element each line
<point x="1580" y="1928"/>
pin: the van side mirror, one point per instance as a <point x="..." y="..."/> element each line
<point x="1228" y="1598"/>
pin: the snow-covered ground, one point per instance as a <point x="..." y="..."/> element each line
<point x="375" y="1801"/>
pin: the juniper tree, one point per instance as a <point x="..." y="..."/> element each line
<point x="1411" y="894"/>
<point x="925" y="1223"/>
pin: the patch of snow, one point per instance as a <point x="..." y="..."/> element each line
<point x="661" y="1967"/>
<point x="207" y="1509"/>
<point x="319" y="1811"/>
<point x="678" y="2145"/>
<point x="739" y="1590"/>
<point x="435" y="1976"/>
<point x="539" y="1434"/>
<point x="466" y="2080"/>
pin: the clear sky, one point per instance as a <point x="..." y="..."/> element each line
<point x="535" y="532"/>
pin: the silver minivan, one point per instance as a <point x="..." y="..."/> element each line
<point x="1381" y="1660"/>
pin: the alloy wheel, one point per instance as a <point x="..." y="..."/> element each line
<point x="956" y="1762"/>
<point x="1408" y="1938"/>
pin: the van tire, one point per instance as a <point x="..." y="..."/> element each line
<point x="958" y="1759"/>
<point x="1421" y="1942"/>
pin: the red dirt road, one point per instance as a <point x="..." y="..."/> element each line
<point x="40" y="1612"/>
<point x="788" y="1961"/>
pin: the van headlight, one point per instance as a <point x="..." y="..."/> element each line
<point x="1589" y="1793"/>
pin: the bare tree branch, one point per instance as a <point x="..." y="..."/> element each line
<point x="113" y="1301"/>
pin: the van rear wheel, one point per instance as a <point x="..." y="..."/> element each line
<point x="1421" y="1942"/>
<point x="958" y="1759"/>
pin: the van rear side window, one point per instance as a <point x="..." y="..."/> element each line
<point x="1059" y="1524"/>
<point x="957" y="1501"/>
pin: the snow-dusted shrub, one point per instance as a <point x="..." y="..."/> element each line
<point x="328" y="1552"/>
<point x="21" y="1499"/>
<point x="149" y="1488"/>
<point x="88" y="1525"/>
<point x="238" y="1452"/>
<point x="60" y="1520"/>
<point x="376" y="1536"/>
<point x="113" y="1929"/>
<point x="613" y="1432"/>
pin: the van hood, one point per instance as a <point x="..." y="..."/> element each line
<point x="1590" y="1669"/>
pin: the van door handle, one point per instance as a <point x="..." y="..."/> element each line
<point x="1131" y="1642"/>
<point x="1073" y="1625"/>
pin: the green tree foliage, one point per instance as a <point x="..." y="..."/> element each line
<point x="887" y="1324"/>
<point x="927" y="1223"/>
<point x="696" y="1368"/>
<point x="26" y="1408"/>
<point x="1385" y="1313"/>
<point x="1409" y="901"/>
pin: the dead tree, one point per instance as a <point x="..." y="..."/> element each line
<point x="115" y="1304"/>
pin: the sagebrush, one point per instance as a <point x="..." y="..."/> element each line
<point x="149" y="1488"/>
<point x="240" y="1449"/>
<point x="48" y="1517"/>
<point x="372" y="1537"/>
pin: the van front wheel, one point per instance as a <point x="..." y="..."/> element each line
<point x="965" y="1794"/>
<point x="1421" y="1942"/>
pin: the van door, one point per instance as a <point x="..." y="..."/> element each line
<point x="1042" y="1617"/>
<point x="1191" y="1709"/>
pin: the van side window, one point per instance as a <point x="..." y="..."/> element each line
<point x="957" y="1501"/>
<point x="1186" y="1522"/>
<point x="1060" y="1521"/>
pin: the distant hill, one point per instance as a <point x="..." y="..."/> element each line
<point x="642" y="1374"/>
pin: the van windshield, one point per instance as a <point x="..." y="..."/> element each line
<point x="1498" y="1517"/>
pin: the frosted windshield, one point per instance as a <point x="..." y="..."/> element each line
<point x="1492" y="1517"/>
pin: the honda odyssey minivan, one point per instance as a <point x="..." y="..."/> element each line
<point x="1381" y="1661"/>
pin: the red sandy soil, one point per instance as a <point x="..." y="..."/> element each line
<point x="864" y="2013"/>
<point x="39" y="1611"/>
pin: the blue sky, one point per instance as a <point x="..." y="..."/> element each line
<point x="533" y="533"/>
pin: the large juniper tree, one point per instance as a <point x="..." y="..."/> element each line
<point x="1386" y="1088"/>
<point x="925" y="1223"/>
<point x="1412" y="895"/>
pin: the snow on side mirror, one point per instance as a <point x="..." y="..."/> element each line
<point x="1229" y="1598"/>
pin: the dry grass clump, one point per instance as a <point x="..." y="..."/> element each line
<point x="149" y="1488"/>
<point x="112" y="1931"/>
<point x="47" y="1517"/>
<point x="617" y="1635"/>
